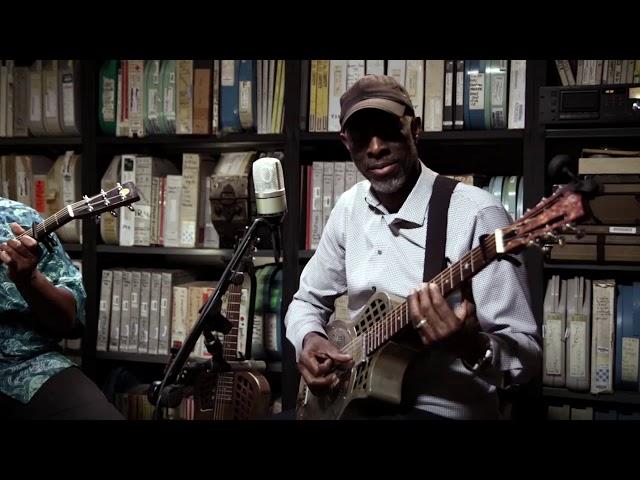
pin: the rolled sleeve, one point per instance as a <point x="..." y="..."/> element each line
<point x="322" y="281"/>
<point x="503" y="309"/>
<point x="61" y="272"/>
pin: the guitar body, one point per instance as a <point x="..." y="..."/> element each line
<point x="375" y="377"/>
<point x="231" y="396"/>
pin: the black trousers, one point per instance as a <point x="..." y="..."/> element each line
<point x="68" y="395"/>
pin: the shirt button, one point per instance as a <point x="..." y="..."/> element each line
<point x="379" y="252"/>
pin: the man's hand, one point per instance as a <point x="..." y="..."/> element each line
<point x="434" y="319"/>
<point x="318" y="361"/>
<point x="20" y="257"/>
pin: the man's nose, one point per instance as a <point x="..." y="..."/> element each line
<point x="376" y="146"/>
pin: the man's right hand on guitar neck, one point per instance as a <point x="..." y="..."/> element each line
<point x="318" y="362"/>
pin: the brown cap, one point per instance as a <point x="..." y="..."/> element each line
<point x="375" y="91"/>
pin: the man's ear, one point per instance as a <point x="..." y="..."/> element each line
<point x="416" y="128"/>
<point x="346" y="141"/>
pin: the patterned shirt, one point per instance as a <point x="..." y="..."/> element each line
<point x="365" y="248"/>
<point x="28" y="358"/>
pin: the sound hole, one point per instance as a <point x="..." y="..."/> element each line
<point x="370" y="316"/>
<point x="361" y="376"/>
<point x="242" y="404"/>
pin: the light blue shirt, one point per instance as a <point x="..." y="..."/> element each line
<point x="364" y="247"/>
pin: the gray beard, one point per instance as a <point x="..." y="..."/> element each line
<point x="389" y="186"/>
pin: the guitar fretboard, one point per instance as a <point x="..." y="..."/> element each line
<point x="447" y="280"/>
<point x="50" y="224"/>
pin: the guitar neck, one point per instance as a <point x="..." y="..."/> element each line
<point x="50" y="224"/>
<point x="225" y="381"/>
<point x="448" y="280"/>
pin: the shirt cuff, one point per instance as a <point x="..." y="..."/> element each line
<point x="297" y="337"/>
<point x="494" y="373"/>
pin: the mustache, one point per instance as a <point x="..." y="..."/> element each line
<point x="380" y="164"/>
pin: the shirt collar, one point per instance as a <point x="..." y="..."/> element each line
<point x="414" y="208"/>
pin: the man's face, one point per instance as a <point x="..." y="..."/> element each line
<point x="382" y="147"/>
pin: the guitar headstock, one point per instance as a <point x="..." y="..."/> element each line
<point x="119" y="196"/>
<point x="540" y="225"/>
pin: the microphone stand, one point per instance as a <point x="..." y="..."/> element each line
<point x="210" y="319"/>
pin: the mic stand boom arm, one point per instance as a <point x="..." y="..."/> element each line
<point x="210" y="318"/>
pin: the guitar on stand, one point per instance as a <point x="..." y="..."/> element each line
<point x="234" y="396"/>
<point x="242" y="395"/>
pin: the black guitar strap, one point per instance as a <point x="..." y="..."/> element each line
<point x="434" y="252"/>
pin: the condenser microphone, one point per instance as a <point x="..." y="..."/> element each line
<point x="268" y="182"/>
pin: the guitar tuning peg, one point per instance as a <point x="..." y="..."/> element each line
<point x="114" y="213"/>
<point x="130" y="207"/>
<point x="97" y="219"/>
<point x="561" y="241"/>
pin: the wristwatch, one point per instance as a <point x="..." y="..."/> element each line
<point x="483" y="361"/>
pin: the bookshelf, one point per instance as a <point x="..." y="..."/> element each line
<point x="571" y="140"/>
<point x="524" y="152"/>
<point x="97" y="150"/>
<point x="617" y="398"/>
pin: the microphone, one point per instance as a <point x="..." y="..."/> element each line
<point x="268" y="181"/>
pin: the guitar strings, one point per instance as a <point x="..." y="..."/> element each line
<point x="352" y="346"/>
<point x="53" y="219"/>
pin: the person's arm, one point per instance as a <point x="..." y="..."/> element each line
<point x="498" y="337"/>
<point x="322" y="280"/>
<point x="53" y="307"/>
<point x="503" y="308"/>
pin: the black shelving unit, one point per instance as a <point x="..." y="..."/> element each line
<point x="132" y="357"/>
<point x="592" y="267"/>
<point x="530" y="146"/>
<point x="618" y="398"/>
<point x="40" y="141"/>
<point x="186" y="252"/>
<point x="584" y="133"/>
<point x="571" y="141"/>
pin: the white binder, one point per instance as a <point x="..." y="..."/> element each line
<point x="50" y="95"/>
<point x="35" y="116"/>
<point x="414" y="84"/>
<point x="69" y="96"/>
<point x="553" y="332"/>
<point x="602" y="340"/>
<point x="337" y="86"/>
<point x="578" y="345"/>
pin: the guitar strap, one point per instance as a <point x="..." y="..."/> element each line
<point x="434" y="252"/>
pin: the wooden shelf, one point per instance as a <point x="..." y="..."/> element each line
<point x="451" y="135"/>
<point x="592" y="132"/>
<point x="72" y="247"/>
<point x="235" y="140"/>
<point x="627" y="398"/>
<point x="133" y="357"/>
<point x="591" y="266"/>
<point x="49" y="141"/>
<point x="187" y="252"/>
<point x="272" y="366"/>
<point x="474" y="135"/>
